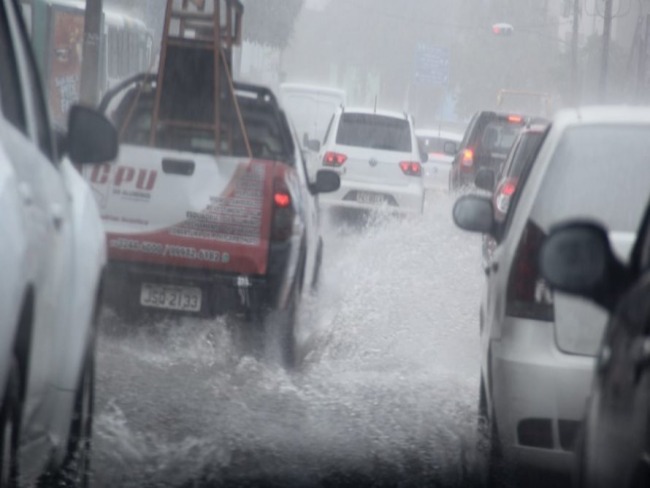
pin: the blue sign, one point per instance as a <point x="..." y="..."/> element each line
<point x="432" y="64"/>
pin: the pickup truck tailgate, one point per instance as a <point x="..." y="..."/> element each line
<point x="186" y="209"/>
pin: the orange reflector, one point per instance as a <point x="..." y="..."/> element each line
<point x="515" y="119"/>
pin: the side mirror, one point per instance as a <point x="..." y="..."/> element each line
<point x="424" y="156"/>
<point x="91" y="137"/>
<point x="577" y="259"/>
<point x="485" y="179"/>
<point x="450" y="148"/>
<point x="313" y="145"/>
<point x="327" y="181"/>
<point x="475" y="214"/>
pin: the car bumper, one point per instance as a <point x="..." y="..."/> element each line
<point x="402" y="199"/>
<point x="539" y="395"/>
<point x="222" y="292"/>
<point x="436" y="176"/>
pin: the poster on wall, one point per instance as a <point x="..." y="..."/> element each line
<point x="67" y="30"/>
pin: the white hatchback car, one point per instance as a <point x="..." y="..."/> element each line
<point x="539" y="347"/>
<point x="376" y="154"/>
<point x="52" y="258"/>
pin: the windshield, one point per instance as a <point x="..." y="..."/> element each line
<point x="374" y="131"/>
<point x="435" y="144"/>
<point x="304" y="243"/>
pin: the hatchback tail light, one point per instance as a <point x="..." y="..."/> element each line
<point x="467" y="159"/>
<point x="503" y="196"/>
<point x="411" y="168"/>
<point x="334" y="159"/>
<point x="284" y="213"/>
<point x="528" y="295"/>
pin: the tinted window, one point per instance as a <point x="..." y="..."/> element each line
<point x="329" y="129"/>
<point x="12" y="106"/>
<point x="601" y="173"/>
<point x="524" y="152"/>
<point x="374" y="131"/>
<point x="40" y="114"/>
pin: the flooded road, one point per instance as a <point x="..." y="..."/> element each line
<point x="387" y="395"/>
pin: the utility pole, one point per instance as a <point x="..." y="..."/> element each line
<point x="604" y="66"/>
<point x="575" y="82"/>
<point x="91" y="52"/>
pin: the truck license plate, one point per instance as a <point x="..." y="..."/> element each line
<point x="183" y="298"/>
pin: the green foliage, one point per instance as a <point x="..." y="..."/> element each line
<point x="270" y="22"/>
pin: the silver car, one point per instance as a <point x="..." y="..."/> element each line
<point x="441" y="147"/>
<point x="538" y="347"/>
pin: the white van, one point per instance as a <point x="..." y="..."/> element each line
<point x="310" y="109"/>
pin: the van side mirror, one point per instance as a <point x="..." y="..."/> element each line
<point x="450" y="148"/>
<point x="91" y="137"/>
<point x="327" y="181"/>
<point x="313" y="145"/>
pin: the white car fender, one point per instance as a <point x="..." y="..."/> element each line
<point x="89" y="250"/>
<point x="13" y="260"/>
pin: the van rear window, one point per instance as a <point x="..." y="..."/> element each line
<point x="374" y="132"/>
<point x="598" y="172"/>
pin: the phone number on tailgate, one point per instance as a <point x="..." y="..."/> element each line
<point x="158" y="249"/>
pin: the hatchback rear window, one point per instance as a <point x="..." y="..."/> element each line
<point x="375" y="132"/>
<point x="601" y="173"/>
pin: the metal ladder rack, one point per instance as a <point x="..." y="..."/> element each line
<point x="196" y="51"/>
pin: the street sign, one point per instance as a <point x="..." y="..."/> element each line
<point x="432" y="65"/>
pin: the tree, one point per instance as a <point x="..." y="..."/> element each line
<point x="270" y="22"/>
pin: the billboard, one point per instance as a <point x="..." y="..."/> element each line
<point x="64" y="71"/>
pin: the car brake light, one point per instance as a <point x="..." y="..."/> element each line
<point x="284" y="214"/>
<point x="528" y="295"/>
<point x="515" y="119"/>
<point x="508" y="189"/>
<point x="334" y="159"/>
<point x="411" y="168"/>
<point x="282" y="199"/>
<point x="467" y="159"/>
<point x="503" y="196"/>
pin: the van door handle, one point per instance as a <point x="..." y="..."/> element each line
<point x="26" y="193"/>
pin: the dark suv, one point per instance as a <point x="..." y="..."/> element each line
<point x="486" y="144"/>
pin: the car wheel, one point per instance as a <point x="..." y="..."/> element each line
<point x="579" y="471"/>
<point x="452" y="181"/>
<point x="75" y="471"/>
<point x="489" y="445"/>
<point x="279" y="332"/>
<point x="10" y="418"/>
